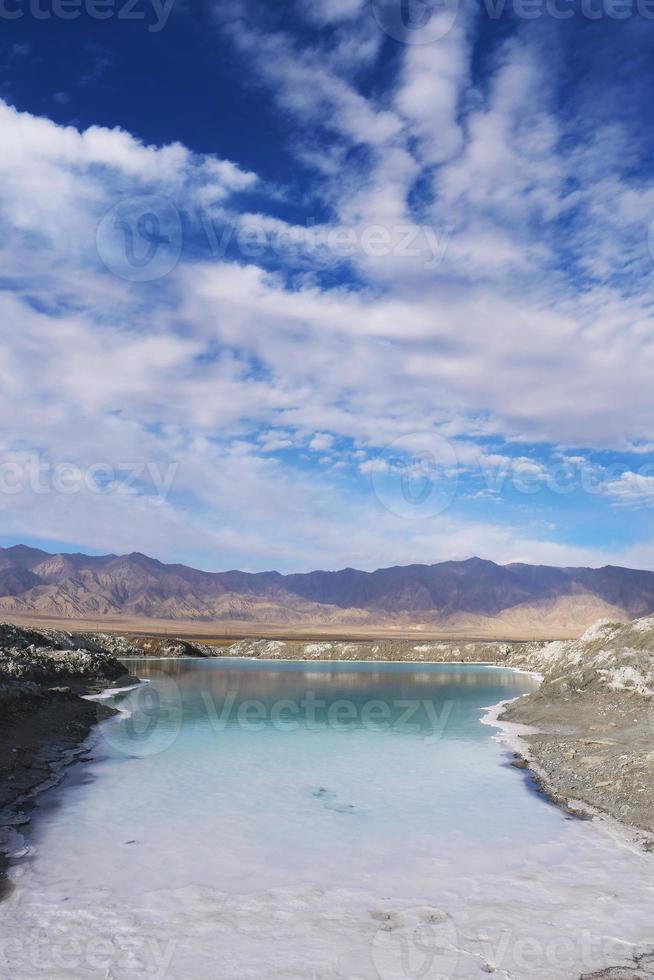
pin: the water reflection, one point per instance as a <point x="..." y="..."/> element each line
<point x="432" y="700"/>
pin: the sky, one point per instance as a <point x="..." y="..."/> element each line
<point x="332" y="284"/>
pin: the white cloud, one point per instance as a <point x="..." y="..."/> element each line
<point x="631" y="489"/>
<point x="222" y="364"/>
<point x="431" y="84"/>
<point x="321" y="441"/>
<point x="310" y="82"/>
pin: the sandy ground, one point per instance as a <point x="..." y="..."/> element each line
<point x="227" y="631"/>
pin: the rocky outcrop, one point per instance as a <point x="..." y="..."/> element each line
<point x="149" y="646"/>
<point x="593" y="715"/>
<point x="409" y="651"/>
<point x="43" y="717"/>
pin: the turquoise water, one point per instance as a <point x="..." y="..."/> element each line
<point x="246" y="819"/>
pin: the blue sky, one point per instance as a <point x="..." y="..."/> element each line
<point x="346" y="283"/>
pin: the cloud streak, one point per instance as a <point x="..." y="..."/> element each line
<point x="517" y="326"/>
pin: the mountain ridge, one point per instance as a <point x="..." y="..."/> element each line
<point x="451" y="593"/>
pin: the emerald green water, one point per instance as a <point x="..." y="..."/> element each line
<point x="249" y="819"/>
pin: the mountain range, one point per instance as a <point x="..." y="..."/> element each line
<point x="475" y="595"/>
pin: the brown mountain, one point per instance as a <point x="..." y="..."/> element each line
<point x="473" y="595"/>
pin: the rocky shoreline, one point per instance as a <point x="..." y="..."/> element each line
<point x="44" y="717"/>
<point x="590" y="738"/>
<point x="384" y="651"/>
